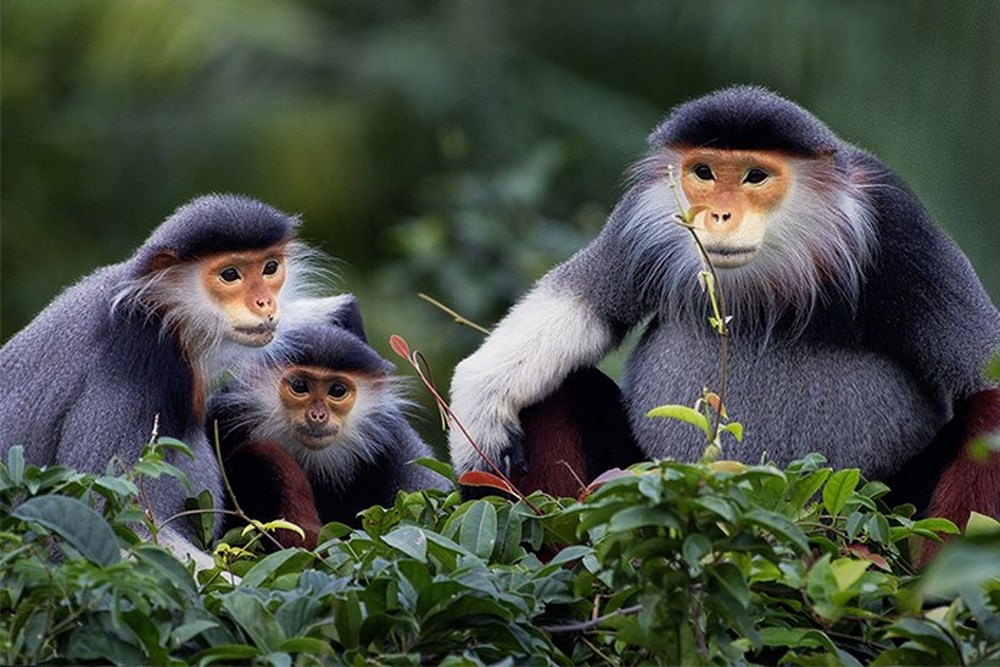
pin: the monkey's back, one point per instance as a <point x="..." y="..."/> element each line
<point x="83" y="384"/>
<point x="45" y="367"/>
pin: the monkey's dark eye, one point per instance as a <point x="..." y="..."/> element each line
<point x="338" y="390"/>
<point x="755" y="176"/>
<point x="298" y="386"/>
<point x="704" y="172"/>
<point x="271" y="267"/>
<point x="229" y="275"/>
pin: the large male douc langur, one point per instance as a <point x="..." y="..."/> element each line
<point x="83" y="382"/>
<point x="315" y="432"/>
<point x="859" y="330"/>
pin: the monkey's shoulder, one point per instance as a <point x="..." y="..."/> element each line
<point x="72" y="323"/>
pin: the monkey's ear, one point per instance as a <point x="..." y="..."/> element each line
<point x="347" y="315"/>
<point x="160" y="261"/>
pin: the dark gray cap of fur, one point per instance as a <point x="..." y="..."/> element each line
<point x="333" y="347"/>
<point x="745" y="117"/>
<point x="217" y="223"/>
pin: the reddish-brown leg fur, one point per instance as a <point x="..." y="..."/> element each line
<point x="575" y="434"/>
<point x="269" y="484"/>
<point x="553" y="448"/>
<point x="967" y="484"/>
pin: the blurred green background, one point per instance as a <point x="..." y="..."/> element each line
<point x="459" y="148"/>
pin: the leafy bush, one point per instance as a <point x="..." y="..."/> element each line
<point x="668" y="562"/>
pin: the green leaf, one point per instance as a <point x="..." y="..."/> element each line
<point x="347" y="619"/>
<point x="694" y="549"/>
<point x="839" y="488"/>
<point x="937" y="525"/>
<point x="313" y="647"/>
<point x="117" y="486"/>
<point x="94" y="644"/>
<point x="297" y="615"/>
<point x="166" y="442"/>
<point x="855" y="520"/>
<point x="478" y="533"/>
<point x="164" y="564"/>
<point x="980" y="525"/>
<point x="735" y="429"/>
<point x="567" y="555"/>
<point x="232" y="653"/>
<point x="801" y="490"/>
<point x="640" y="516"/>
<point x="83" y="528"/>
<point x="780" y="526"/>
<point x="961" y="565"/>
<point x="188" y="631"/>
<point x="154" y="469"/>
<point x="15" y="464"/>
<point x="993" y="368"/>
<point x="684" y="414"/>
<point x="273" y="565"/>
<point x="258" y="623"/>
<point x="146" y="631"/>
<point x="332" y="531"/>
<point x="791" y="637"/>
<point x="878" y="529"/>
<point x="444" y="550"/>
<point x="411" y="540"/>
<point x="203" y="522"/>
<point x="847" y="571"/>
<point x="718" y="506"/>
<point x="442" y="468"/>
<point x="732" y="581"/>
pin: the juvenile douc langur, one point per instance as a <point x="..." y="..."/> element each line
<point x="84" y="381"/>
<point x="858" y="329"/>
<point x="316" y="432"/>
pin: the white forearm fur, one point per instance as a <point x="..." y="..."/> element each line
<point x="543" y="338"/>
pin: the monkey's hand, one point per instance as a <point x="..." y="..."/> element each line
<point x="486" y="414"/>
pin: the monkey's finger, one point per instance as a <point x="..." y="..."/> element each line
<point x="517" y="464"/>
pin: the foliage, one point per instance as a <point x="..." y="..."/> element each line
<point x="715" y="564"/>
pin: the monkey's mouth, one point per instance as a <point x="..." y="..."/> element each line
<point x="727" y="257"/>
<point x="316" y="437"/>
<point x="254" y="336"/>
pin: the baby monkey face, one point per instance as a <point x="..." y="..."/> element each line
<point x="317" y="402"/>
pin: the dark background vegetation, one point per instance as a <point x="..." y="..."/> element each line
<point x="459" y="148"/>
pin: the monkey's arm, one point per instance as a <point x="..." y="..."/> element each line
<point x="924" y="303"/>
<point x="413" y="477"/>
<point x="571" y="318"/>
<point x="269" y="484"/>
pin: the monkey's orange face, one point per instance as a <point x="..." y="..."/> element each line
<point x="317" y="403"/>
<point x="245" y="287"/>
<point x="733" y="193"/>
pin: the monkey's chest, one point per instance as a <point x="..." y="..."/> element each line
<point x="855" y="406"/>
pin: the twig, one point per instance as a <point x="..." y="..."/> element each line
<point x="399" y="344"/>
<point x="458" y="318"/>
<point x="715" y="292"/>
<point x="229" y="489"/>
<point x="143" y="496"/>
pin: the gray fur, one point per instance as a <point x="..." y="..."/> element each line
<point x="85" y="379"/>
<point x="864" y="368"/>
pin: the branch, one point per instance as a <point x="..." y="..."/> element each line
<point x="584" y="626"/>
